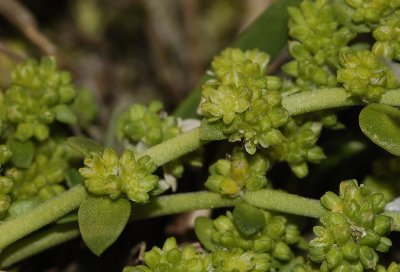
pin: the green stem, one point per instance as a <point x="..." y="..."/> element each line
<point x="329" y="98"/>
<point x="178" y="203"/>
<point x="38" y="242"/>
<point x="284" y="202"/>
<point x="174" y="148"/>
<point x="45" y="213"/>
<point x="51" y="210"/>
<point x="172" y="204"/>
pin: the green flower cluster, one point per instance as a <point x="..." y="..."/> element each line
<point x="172" y="259"/>
<point x="364" y="75"/>
<point x="38" y="95"/>
<point x="147" y="125"/>
<point x="300" y="147"/>
<point x="230" y="176"/>
<point x="387" y="36"/>
<point x="274" y="237"/>
<point x="106" y="174"/>
<point x="245" y="101"/>
<point x="319" y="38"/>
<point x="393" y="267"/>
<point x="370" y="12"/>
<point x="144" y="127"/>
<point x="353" y="230"/>
<point x="44" y="177"/>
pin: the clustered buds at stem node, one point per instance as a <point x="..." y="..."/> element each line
<point x="244" y="100"/>
<point x="240" y="171"/>
<point x="107" y="174"/>
<point x="353" y="230"/>
<point x="38" y="95"/>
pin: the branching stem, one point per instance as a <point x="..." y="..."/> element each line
<point x="18" y="227"/>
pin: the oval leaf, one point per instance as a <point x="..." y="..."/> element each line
<point x="381" y="124"/>
<point x="203" y="227"/>
<point x="23" y="152"/>
<point x="101" y="221"/>
<point x="248" y="219"/>
<point x="85" y="146"/>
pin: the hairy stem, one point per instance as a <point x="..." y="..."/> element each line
<point x="284" y="202"/>
<point x="172" y="204"/>
<point x="47" y="212"/>
<point x="51" y="210"/>
<point x="174" y="148"/>
<point x="38" y="242"/>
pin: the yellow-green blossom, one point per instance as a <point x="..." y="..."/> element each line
<point x="107" y="174"/>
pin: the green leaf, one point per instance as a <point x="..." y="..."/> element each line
<point x="381" y="124"/>
<point x="203" y="227"/>
<point x="248" y="219"/>
<point x="268" y="33"/>
<point x="211" y="131"/>
<point x="72" y="177"/>
<point x="64" y="114"/>
<point x="85" y="146"/>
<point x="101" y="221"/>
<point x="23" y="152"/>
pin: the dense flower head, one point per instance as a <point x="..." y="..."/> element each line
<point x="244" y="100"/>
<point x="44" y="177"/>
<point x="234" y="65"/>
<point x="240" y="171"/>
<point x="148" y="125"/>
<point x="171" y="258"/>
<point x="353" y="230"/>
<point x="276" y="238"/>
<point x="364" y="75"/>
<point x="300" y="146"/>
<point x="107" y="174"/>
<point x="38" y="95"/>
<point x="371" y="12"/>
<point x="318" y="39"/>
<point x="387" y="36"/>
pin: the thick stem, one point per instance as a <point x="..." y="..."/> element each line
<point x="47" y="212"/>
<point x="284" y="202"/>
<point x="330" y="98"/>
<point x="178" y="203"/>
<point x="38" y="242"/>
<point x="174" y="148"/>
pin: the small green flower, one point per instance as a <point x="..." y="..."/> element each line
<point x="107" y="174"/>
<point x="364" y="75"/>
<point x="241" y="171"/>
<point x="224" y="101"/>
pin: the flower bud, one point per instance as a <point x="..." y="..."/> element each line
<point x="334" y="257"/>
<point x="368" y="257"/>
